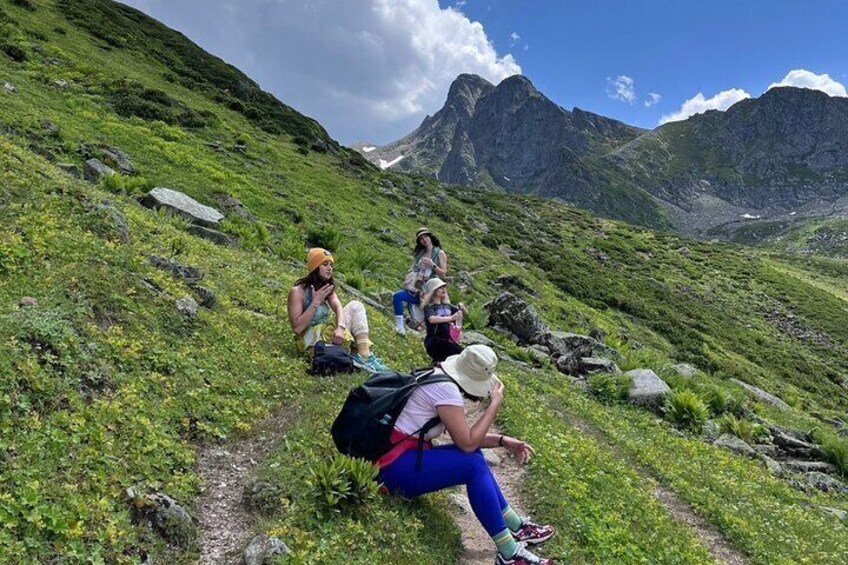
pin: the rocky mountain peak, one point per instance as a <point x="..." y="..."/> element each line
<point x="464" y="92"/>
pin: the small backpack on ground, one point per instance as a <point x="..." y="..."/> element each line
<point x="364" y="425"/>
<point x="330" y="359"/>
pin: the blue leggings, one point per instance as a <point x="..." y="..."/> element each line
<point x="446" y="466"/>
<point x="402" y="296"/>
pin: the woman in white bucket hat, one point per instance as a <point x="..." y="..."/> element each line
<point x="442" y="321"/>
<point x="472" y="375"/>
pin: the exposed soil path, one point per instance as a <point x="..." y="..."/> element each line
<point x="224" y="523"/>
<point x="721" y="550"/>
<point x="477" y="546"/>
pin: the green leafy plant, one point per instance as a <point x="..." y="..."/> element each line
<point x="835" y="449"/>
<point x="327" y="237"/>
<point x="341" y="483"/>
<point x="720" y="401"/>
<point x="744" y="429"/>
<point x="475" y="318"/>
<point x="358" y="258"/>
<point x="609" y="388"/>
<point x="685" y="409"/>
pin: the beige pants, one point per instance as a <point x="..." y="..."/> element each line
<point x="355" y="320"/>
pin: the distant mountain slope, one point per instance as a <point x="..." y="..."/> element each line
<point x="782" y="155"/>
<point x="512" y="137"/>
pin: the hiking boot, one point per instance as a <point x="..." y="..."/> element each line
<point x="372" y="363"/>
<point x="533" y="534"/>
<point x="523" y="557"/>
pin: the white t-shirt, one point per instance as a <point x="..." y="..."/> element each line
<point x="421" y="407"/>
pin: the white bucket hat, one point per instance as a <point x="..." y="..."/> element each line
<point x="473" y="369"/>
<point x="430" y="287"/>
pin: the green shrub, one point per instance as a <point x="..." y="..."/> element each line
<point x="609" y="388"/>
<point x="686" y="410"/>
<point x="836" y="450"/>
<point x="356" y="279"/>
<point x="341" y="484"/>
<point x="744" y="429"/>
<point x="327" y="237"/>
<point x="475" y="318"/>
<point x="363" y="259"/>
<point x="720" y="401"/>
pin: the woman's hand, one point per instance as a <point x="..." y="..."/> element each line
<point x="521" y="450"/>
<point x="456" y="316"/>
<point x="320" y="295"/>
<point x="339" y="336"/>
<point x="497" y="394"/>
<point x="426" y="262"/>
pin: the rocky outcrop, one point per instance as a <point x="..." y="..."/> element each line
<point x="736" y="445"/>
<point x="164" y="515"/>
<point x="762" y="395"/>
<point x="183" y="205"/>
<point x="646" y="389"/>
<point x="95" y="170"/>
<point x="263" y="549"/>
<point x="509" y="313"/>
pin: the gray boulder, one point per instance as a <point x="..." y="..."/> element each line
<point x="215" y="236"/>
<point x="111" y="223"/>
<point x="187" y="306"/>
<point x="164" y="515"/>
<point x="70" y="169"/>
<point x="736" y="445"/>
<point x="538" y="357"/>
<point x="10" y="87"/>
<point x="685" y="370"/>
<point x="95" y="169"/>
<point x="762" y="395"/>
<point x="183" y="205"/>
<point x="262" y="549"/>
<point x="118" y="159"/>
<point x="207" y="297"/>
<point x="774" y="468"/>
<point x="565" y="343"/>
<point x="186" y="272"/>
<point x="476" y="338"/>
<point x="801" y="466"/>
<point x="509" y="313"/>
<point x="839" y="514"/>
<point x="646" y="389"/>
<point x="710" y="431"/>
<point x="791" y="446"/>
<point x="463" y="280"/>
<point x="233" y="207"/>
<point x="568" y="364"/>
<point x="825" y="483"/>
<point x="592" y="365"/>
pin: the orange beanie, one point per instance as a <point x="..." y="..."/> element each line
<point x="316" y="257"/>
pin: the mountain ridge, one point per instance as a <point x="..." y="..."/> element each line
<point x="779" y="155"/>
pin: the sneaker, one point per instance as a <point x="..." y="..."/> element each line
<point x="523" y="557"/>
<point x="533" y="534"/>
<point x="372" y="363"/>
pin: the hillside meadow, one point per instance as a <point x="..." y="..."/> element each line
<point x="106" y="385"/>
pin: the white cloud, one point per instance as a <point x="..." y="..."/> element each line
<point x="366" y="69"/>
<point x="461" y="3"/>
<point x="652" y="99"/>
<point x="802" y="78"/>
<point x="622" y="88"/>
<point x="513" y="39"/>
<point x="699" y="104"/>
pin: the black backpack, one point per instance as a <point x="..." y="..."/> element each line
<point x="329" y="359"/>
<point x="365" y="423"/>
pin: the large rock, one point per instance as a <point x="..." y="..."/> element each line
<point x="802" y="466"/>
<point x="646" y="389"/>
<point x="165" y="516"/>
<point x="233" y="207"/>
<point x="184" y="205"/>
<point x="471" y="337"/>
<point x="825" y="483"/>
<point x="762" y="395"/>
<point x="510" y="313"/>
<point x="565" y="343"/>
<point x="110" y="222"/>
<point x="263" y="549"/>
<point x="95" y="169"/>
<point x="685" y="370"/>
<point x="186" y="272"/>
<point x="117" y="158"/>
<point x="592" y="365"/>
<point x="187" y="306"/>
<point x="215" y="236"/>
<point x="736" y="445"/>
<point x="794" y="447"/>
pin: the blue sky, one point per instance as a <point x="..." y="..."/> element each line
<point x="371" y="70"/>
<point x="672" y="48"/>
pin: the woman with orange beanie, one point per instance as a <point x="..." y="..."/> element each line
<point x="311" y="301"/>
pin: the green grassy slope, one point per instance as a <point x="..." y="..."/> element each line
<point x="105" y="385"/>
